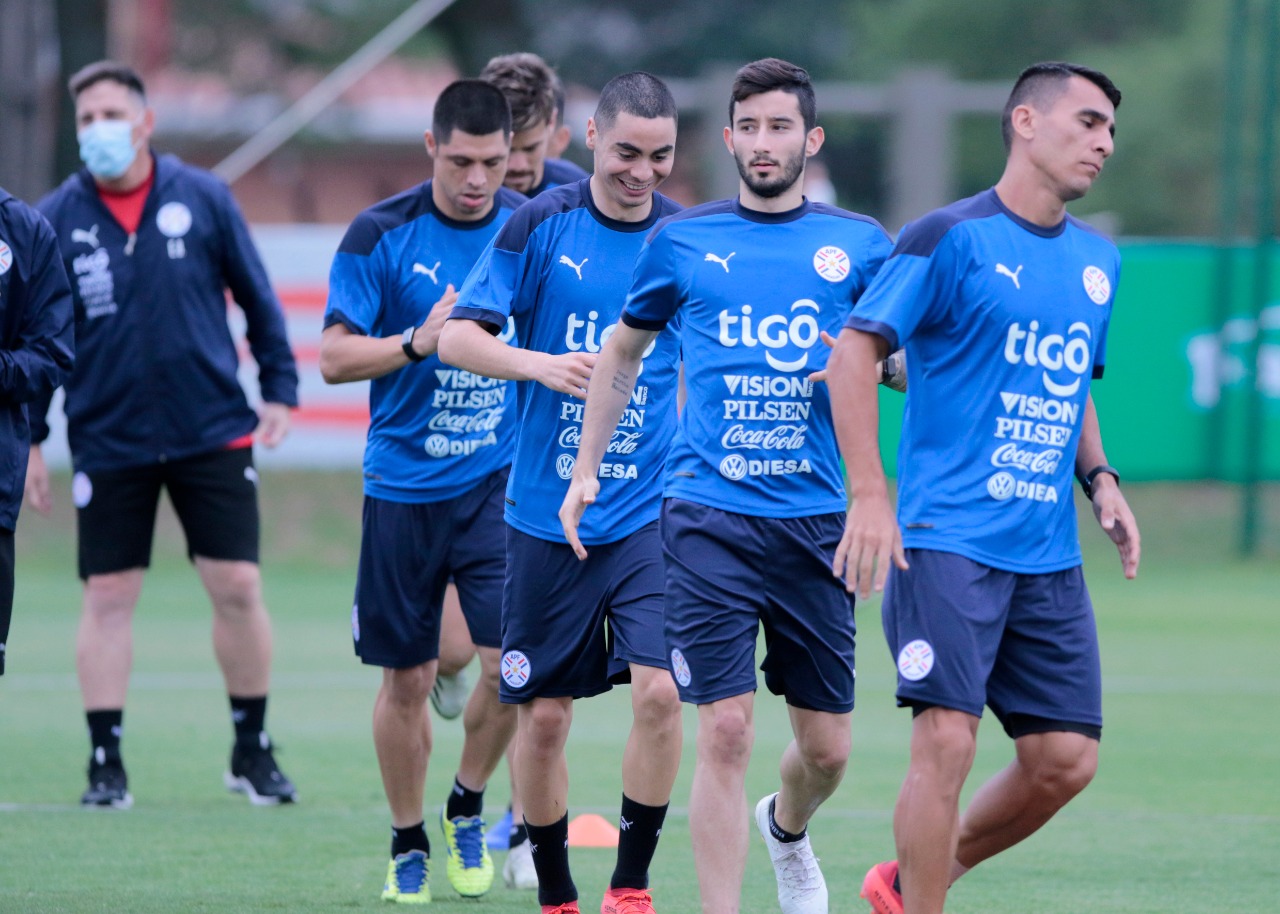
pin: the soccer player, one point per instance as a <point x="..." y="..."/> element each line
<point x="754" y="492"/>
<point x="36" y="352"/>
<point x="1002" y="302"/>
<point x="435" y="470"/>
<point x="536" y="97"/>
<point x="560" y="267"/>
<point x="153" y="245"/>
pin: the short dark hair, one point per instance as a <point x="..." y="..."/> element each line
<point x="637" y="93"/>
<point x="773" y="75"/>
<point x="529" y="85"/>
<point x="106" y="69"/>
<point x="472" y="106"/>
<point x="1040" y="85"/>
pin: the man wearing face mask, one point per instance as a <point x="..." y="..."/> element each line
<point x="152" y="245"/>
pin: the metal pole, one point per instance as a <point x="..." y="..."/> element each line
<point x="1222" y="298"/>
<point x="304" y="110"/>
<point x="1265" y="225"/>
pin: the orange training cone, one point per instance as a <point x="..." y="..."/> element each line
<point x="591" y="830"/>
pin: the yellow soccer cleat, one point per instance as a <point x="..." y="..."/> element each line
<point x="407" y="879"/>
<point x="468" y="866"/>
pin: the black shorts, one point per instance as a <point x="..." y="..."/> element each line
<point x="215" y="496"/>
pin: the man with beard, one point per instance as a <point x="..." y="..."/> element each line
<point x="754" y="491"/>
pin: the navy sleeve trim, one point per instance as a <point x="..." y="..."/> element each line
<point x="493" y="321"/>
<point x="1097" y="371"/>
<point x="337" y="317"/>
<point x="879" y="328"/>
<point x="368" y="228"/>
<point x="639" y="324"/>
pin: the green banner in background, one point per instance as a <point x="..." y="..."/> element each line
<point x="1171" y="364"/>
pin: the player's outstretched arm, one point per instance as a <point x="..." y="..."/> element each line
<point x="871" y="537"/>
<point x="619" y="361"/>
<point x="467" y="344"/>
<point x="347" y="356"/>
<point x="1109" y="504"/>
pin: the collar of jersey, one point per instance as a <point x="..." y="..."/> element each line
<point x="755" y="215"/>
<point x="1050" y="231"/>
<point x="617" y="225"/>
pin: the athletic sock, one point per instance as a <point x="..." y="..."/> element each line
<point x="550" y="847"/>
<point x="463" y="802"/>
<point x="777" y="831"/>
<point x="409" y="838"/>
<point x="105" y="730"/>
<point x="639" y="827"/>
<point x="249" y="717"/>
<point x="517" y="836"/>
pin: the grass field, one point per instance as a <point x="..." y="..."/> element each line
<point x="1184" y="815"/>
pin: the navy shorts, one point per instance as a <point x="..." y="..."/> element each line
<point x="408" y="553"/>
<point x="215" y="496"/>
<point x="571" y="628"/>
<point x="728" y="574"/>
<point x="965" y="635"/>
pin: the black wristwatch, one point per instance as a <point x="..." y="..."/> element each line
<point x="1086" y="481"/>
<point x="406" y="343"/>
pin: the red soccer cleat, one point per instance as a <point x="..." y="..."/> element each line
<point x="878" y="889"/>
<point x="627" y="901"/>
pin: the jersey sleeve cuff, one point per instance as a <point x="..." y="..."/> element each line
<point x="494" y="321"/>
<point x="337" y="317"/>
<point x="640" y="323"/>
<point x="877" y="327"/>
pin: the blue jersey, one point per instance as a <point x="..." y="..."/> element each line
<point x="556" y="173"/>
<point x="755" y="290"/>
<point x="1004" y="324"/>
<point x="434" y="430"/>
<point x="561" y="269"/>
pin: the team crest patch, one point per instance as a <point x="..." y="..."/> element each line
<point x="6" y="257"/>
<point x="515" y="669"/>
<point x="915" y="660"/>
<point x="831" y="263"/>
<point x="355" y="621"/>
<point x="174" y="220"/>
<point x="1097" y="285"/>
<point x="680" y="667"/>
<point x="81" y="490"/>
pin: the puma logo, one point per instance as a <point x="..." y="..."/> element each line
<point x="1012" y="274"/>
<point x="419" y="268"/>
<point x="577" y="267"/>
<point x="82" y="237"/>
<point x="724" y="262"/>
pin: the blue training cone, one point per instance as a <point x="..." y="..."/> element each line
<point x="498" y="837"/>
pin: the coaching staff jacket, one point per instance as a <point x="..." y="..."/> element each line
<point x="155" y="376"/>
<point x="36" y="341"/>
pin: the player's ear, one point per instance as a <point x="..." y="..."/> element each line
<point x="1023" y="120"/>
<point x="813" y="142"/>
<point x="728" y="140"/>
<point x="591" y="133"/>
<point x="430" y="141"/>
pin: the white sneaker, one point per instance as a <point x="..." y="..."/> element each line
<point x="449" y="695"/>
<point x="518" y="871"/>
<point x="801" y="888"/>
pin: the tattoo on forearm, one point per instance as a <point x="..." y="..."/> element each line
<point x="622" y="382"/>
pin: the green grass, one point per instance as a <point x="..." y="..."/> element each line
<point x="1184" y="814"/>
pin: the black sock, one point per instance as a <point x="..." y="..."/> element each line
<point x="517" y="836"/>
<point x="249" y="717"/>
<point x="550" y="846"/>
<point x="897" y="881"/>
<point x="463" y="802"/>
<point x="776" y="830"/>
<point x="409" y="838"/>
<point x="639" y="828"/>
<point x="105" y="730"/>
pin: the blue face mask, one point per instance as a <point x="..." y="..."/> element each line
<point x="106" y="148"/>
